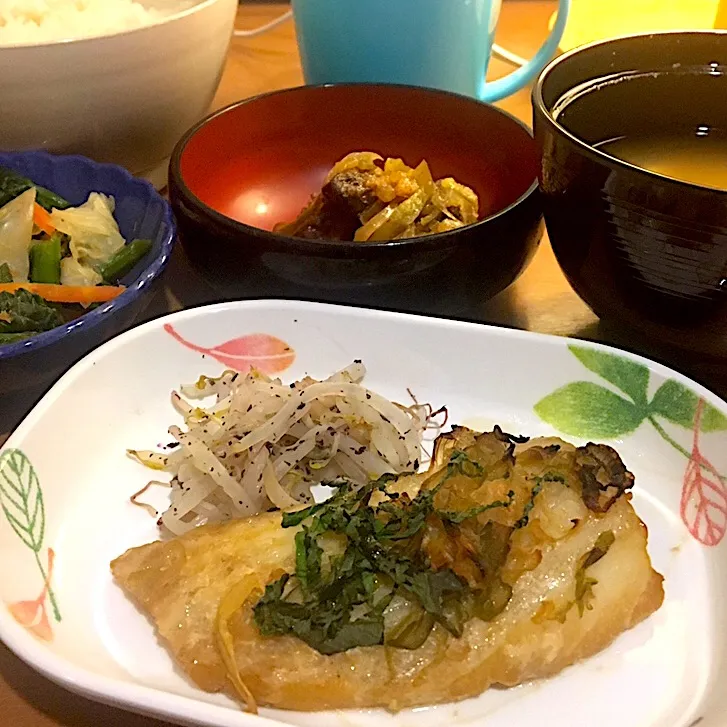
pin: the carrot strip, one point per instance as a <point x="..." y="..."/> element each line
<point x="42" y="219"/>
<point x="83" y="294"/>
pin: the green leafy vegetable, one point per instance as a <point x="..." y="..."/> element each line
<point x="5" y="275"/>
<point x="307" y="559"/>
<point x="25" y="312"/>
<point x="13" y="184"/>
<point x="461" y="463"/>
<point x="380" y="588"/>
<point x="15" y="337"/>
<point x="462" y="515"/>
<point x="530" y="504"/>
<point x="291" y="519"/>
<point x="432" y="587"/>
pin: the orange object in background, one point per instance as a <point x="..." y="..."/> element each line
<point x="593" y="20"/>
<point x="720" y="20"/>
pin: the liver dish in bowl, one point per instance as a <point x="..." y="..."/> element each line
<point x="257" y="163"/>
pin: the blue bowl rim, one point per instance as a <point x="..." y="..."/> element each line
<point x="322" y="245"/>
<point x="94" y="317"/>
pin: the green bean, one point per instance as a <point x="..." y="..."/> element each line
<point x="5" y="275"/>
<point x="124" y="260"/>
<point x="45" y="261"/>
<point x="13" y="184"/>
<point x="50" y="200"/>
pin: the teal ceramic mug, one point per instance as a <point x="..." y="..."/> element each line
<point x="444" y="44"/>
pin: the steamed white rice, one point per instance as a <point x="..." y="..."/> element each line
<point x="38" y="21"/>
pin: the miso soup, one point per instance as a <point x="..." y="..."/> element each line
<point x="697" y="157"/>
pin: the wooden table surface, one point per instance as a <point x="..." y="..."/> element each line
<point x="540" y="300"/>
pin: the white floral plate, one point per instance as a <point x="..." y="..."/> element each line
<point x="65" y="484"/>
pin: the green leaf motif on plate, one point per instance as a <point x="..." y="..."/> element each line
<point x="584" y="409"/>
<point x="22" y="498"/>
<point x="678" y="404"/>
<point x="713" y="420"/>
<point x="632" y="378"/>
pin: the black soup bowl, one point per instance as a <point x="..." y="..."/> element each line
<point x="645" y="251"/>
<point x="258" y="162"/>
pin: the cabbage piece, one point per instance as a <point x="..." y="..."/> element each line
<point x="75" y="273"/>
<point x="94" y="234"/>
<point x="16" y="233"/>
<point x="450" y="193"/>
<point x="403" y="216"/>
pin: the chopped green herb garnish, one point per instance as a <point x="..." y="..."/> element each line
<point x="530" y="504"/>
<point x="379" y="586"/>
<point x="460" y="516"/>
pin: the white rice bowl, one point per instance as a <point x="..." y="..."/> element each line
<point x="39" y="21"/>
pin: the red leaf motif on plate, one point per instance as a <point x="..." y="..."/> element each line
<point x="703" y="505"/>
<point x="33" y="614"/>
<point x="255" y="350"/>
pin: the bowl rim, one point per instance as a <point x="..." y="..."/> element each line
<point x="540" y="107"/>
<point x="198" y="6"/>
<point x="92" y="318"/>
<point x="324" y="244"/>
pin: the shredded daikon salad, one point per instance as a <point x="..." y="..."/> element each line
<point x="263" y="444"/>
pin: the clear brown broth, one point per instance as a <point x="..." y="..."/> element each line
<point x="696" y="156"/>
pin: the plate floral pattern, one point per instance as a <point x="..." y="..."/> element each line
<point x="593" y="411"/>
<point x="21" y="498"/>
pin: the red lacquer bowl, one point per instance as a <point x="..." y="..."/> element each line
<point x="256" y="163"/>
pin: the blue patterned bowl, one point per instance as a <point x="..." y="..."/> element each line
<point x="141" y="212"/>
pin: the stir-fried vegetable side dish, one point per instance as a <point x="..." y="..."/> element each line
<point x="368" y="199"/>
<point x="56" y="259"/>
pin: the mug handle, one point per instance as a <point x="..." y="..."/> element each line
<point x="514" y="81"/>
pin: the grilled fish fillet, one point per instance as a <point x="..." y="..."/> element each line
<point x="181" y="583"/>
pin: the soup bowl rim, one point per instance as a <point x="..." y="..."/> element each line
<point x="593" y="152"/>
<point x="321" y="245"/>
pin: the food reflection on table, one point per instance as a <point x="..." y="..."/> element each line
<point x="366" y="198"/>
